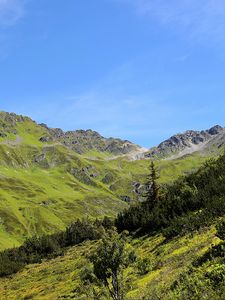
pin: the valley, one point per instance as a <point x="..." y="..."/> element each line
<point x="49" y="179"/>
<point x="47" y="182"/>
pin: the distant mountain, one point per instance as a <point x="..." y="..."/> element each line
<point x="89" y="141"/>
<point x="189" y="142"/>
<point x="80" y="141"/>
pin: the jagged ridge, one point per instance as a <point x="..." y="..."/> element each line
<point x="82" y="141"/>
<point x="188" y="142"/>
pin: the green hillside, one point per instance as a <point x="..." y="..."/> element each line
<point x="60" y="278"/>
<point x="180" y="258"/>
<point x="44" y="186"/>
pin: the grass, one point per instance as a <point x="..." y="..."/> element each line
<point x="60" y="278"/>
<point x="36" y="201"/>
<point x="45" y="186"/>
<point x="39" y="193"/>
<point x="171" y="259"/>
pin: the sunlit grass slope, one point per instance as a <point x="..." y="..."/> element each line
<point x="60" y="278"/>
<point x="35" y="200"/>
<point x="44" y="189"/>
<point x="45" y="186"/>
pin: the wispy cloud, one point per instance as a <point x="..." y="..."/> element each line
<point x="11" y="11"/>
<point x="198" y="18"/>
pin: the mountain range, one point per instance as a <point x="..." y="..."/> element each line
<point x="83" y="141"/>
<point x="49" y="177"/>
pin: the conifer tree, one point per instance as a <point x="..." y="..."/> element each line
<point x="152" y="186"/>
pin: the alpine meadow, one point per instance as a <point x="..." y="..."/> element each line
<point x="112" y="150"/>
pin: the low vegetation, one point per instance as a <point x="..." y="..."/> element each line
<point x="35" y="249"/>
<point x="175" y="249"/>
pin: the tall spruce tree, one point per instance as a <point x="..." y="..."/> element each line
<point x="152" y="186"/>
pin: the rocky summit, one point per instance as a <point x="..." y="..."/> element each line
<point x="80" y="141"/>
<point x="15" y="129"/>
<point x="188" y="142"/>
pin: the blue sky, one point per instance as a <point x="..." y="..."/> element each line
<point x="136" y="69"/>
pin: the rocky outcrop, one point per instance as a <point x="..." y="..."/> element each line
<point x="215" y="130"/>
<point x="7" y="124"/>
<point x="89" y="141"/>
<point x="186" y="143"/>
<point x="82" y="141"/>
<point x="82" y="176"/>
<point x="126" y="199"/>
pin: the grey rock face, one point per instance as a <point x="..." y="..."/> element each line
<point x="215" y="130"/>
<point x="125" y="198"/>
<point x="46" y="139"/>
<point x="189" y="141"/>
<point x="8" y="123"/>
<point x="82" y="141"/>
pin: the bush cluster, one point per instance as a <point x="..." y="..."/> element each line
<point x="35" y="249"/>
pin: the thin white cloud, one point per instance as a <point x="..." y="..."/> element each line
<point x="198" y="18"/>
<point x="11" y="11"/>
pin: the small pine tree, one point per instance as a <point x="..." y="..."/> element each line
<point x="152" y="186"/>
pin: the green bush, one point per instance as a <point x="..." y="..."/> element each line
<point x="144" y="265"/>
<point x="221" y="229"/>
<point x="217" y="274"/>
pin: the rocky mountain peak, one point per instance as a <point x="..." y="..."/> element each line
<point x="215" y="130"/>
<point x="82" y="141"/>
<point x="185" y="143"/>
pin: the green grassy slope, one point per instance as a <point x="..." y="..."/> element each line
<point x="60" y="278"/>
<point x="43" y="197"/>
<point x="37" y="200"/>
<point x="45" y="186"/>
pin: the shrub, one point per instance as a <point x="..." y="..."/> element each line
<point x="144" y="265"/>
<point x="221" y="229"/>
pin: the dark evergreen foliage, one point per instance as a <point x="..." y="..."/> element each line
<point x="153" y="190"/>
<point x="221" y="229"/>
<point x="191" y="202"/>
<point x="37" y="248"/>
